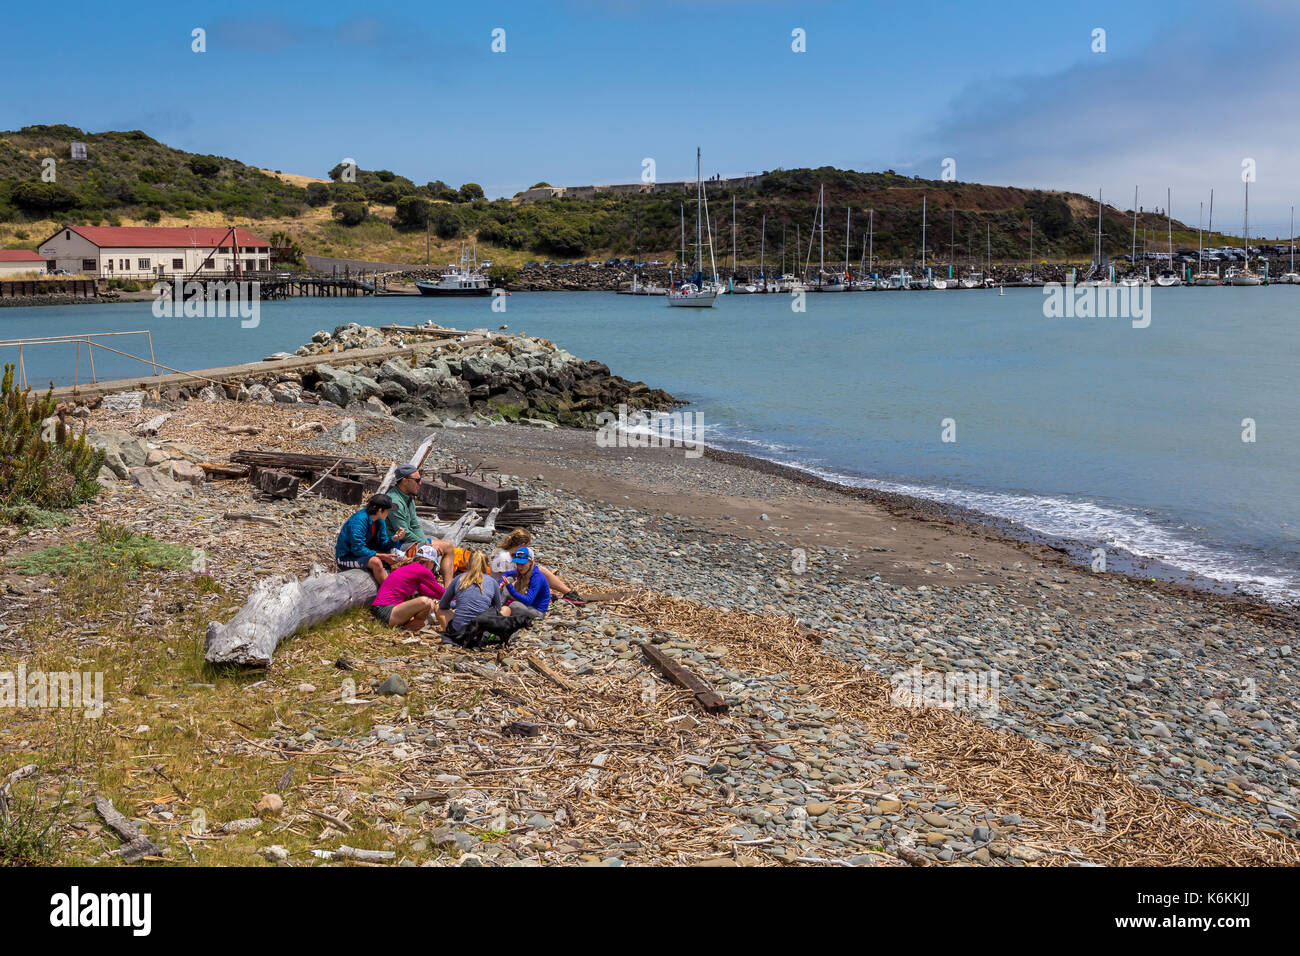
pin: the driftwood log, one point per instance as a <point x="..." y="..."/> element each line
<point x="136" y="844"/>
<point x="279" y="607"/>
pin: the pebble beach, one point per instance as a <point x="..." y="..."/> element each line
<point x="903" y="687"/>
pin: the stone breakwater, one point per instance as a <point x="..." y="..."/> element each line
<point x="465" y="379"/>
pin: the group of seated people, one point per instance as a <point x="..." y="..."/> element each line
<point x="469" y="597"/>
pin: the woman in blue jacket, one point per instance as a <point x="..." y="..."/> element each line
<point x="363" y="540"/>
<point x="526" y="584"/>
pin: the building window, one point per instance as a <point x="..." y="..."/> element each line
<point x="125" y="265"/>
<point x="144" y="264"/>
<point x="88" y="265"/>
<point x="209" y="264"/>
<point x="178" y="263"/>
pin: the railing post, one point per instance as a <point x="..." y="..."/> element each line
<point x="151" y="356"/>
<point x="90" y="349"/>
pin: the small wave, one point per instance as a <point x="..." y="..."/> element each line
<point x="1090" y="523"/>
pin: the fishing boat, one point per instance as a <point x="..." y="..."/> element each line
<point x="697" y="294"/>
<point x="458" y="281"/>
<point x="972" y="280"/>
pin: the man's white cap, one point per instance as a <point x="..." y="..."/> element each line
<point x="427" y="551"/>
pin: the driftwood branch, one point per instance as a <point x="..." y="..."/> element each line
<point x="708" y="699"/>
<point x="14" y="777"/>
<point x="279" y="607"/>
<point x="137" y="845"/>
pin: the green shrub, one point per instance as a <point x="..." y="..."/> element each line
<point x="109" y="547"/>
<point x="44" y="466"/>
<point x="351" y="213"/>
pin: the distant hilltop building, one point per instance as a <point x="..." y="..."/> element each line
<point x="587" y="192"/>
<point x="154" y="251"/>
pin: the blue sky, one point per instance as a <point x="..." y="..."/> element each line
<point x="586" y="90"/>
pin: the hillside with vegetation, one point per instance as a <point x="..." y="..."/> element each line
<point x="130" y="178"/>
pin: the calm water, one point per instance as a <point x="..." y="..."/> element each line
<point x="1086" y="429"/>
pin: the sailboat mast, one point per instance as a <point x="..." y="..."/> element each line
<point x="848" y="230"/>
<point x="733" y="235"/>
<point x="922" y="236"/>
<point x="821" y="254"/>
<point x="683" y="211"/>
<point x="762" y="248"/>
<point x="988" y="246"/>
<point x="1169" y="224"/>
<point x="1031" y="249"/>
<point x="1133" y="247"/>
<point x="1292" y="242"/>
<point x="1245" y="239"/>
<point x="699" y="206"/>
<point x="871" y="241"/>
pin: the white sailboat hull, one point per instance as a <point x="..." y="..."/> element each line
<point x="692" y="300"/>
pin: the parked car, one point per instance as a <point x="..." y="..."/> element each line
<point x="640" y="265"/>
<point x="610" y="263"/>
<point x="626" y="263"/>
<point x="530" y="265"/>
<point x="548" y="264"/>
<point x="485" y="264"/>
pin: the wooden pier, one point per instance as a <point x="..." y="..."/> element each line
<point x="22" y="288"/>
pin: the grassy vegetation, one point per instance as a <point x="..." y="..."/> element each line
<point x="182" y="746"/>
<point x="380" y="215"/>
<point x="110" y="547"/>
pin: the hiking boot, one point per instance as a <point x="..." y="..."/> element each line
<point x="574" y="598"/>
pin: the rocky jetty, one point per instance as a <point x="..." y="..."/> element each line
<point x="465" y="378"/>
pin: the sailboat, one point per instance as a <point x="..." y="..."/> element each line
<point x="1292" y="277"/>
<point x="1133" y="279"/>
<point x="826" y="282"/>
<point x="1202" y="277"/>
<point x="1168" y="277"/>
<point x="1245" y="276"/>
<point x="1098" y="272"/>
<point x="925" y="281"/>
<point x="697" y="295"/>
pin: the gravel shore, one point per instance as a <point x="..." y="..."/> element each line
<point x="904" y="687"/>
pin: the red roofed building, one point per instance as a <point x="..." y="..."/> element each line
<point x="143" y="252"/>
<point x="16" y="262"/>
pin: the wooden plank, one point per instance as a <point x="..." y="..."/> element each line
<point x="277" y="484"/>
<point x="482" y="493"/>
<point x="546" y="672"/>
<point x="706" y="697"/>
<point x="218" y="472"/>
<point x="341" y="489"/>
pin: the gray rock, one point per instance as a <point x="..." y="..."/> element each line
<point x="393" y="686"/>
